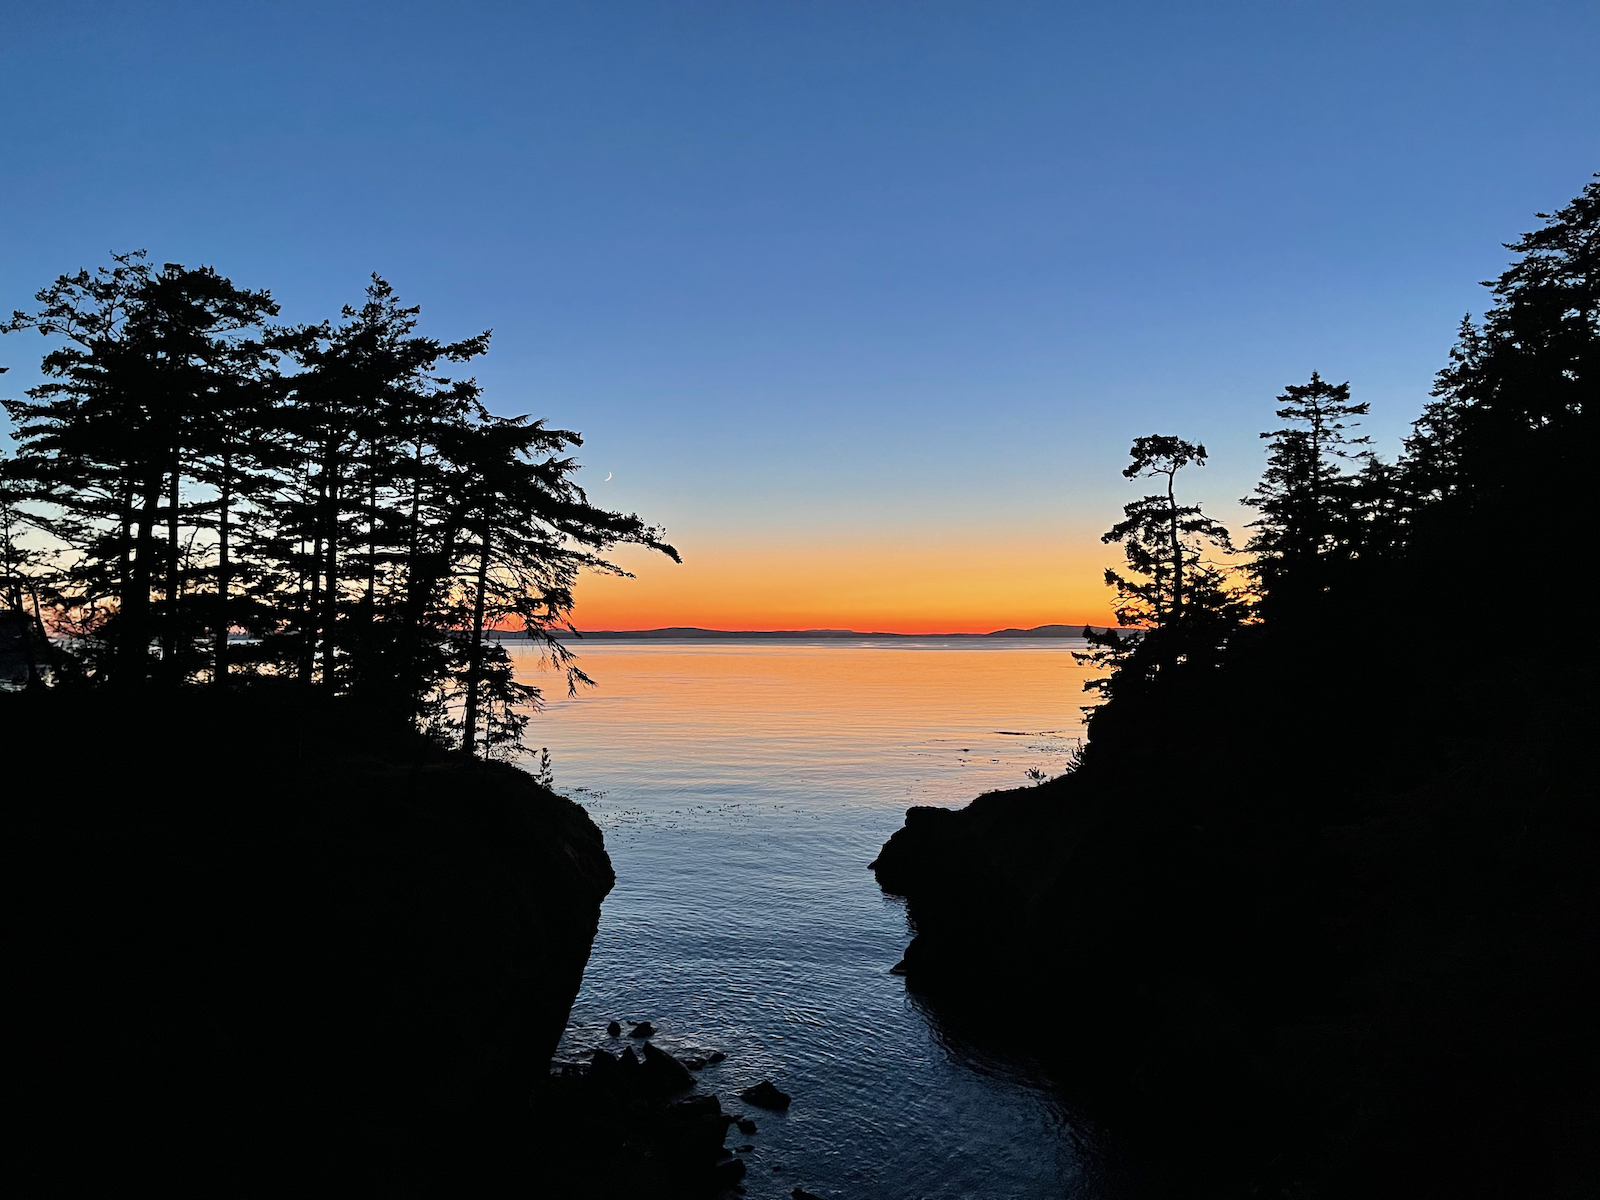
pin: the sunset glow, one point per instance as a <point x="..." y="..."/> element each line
<point x="923" y="585"/>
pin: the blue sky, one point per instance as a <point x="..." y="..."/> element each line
<point x="844" y="280"/>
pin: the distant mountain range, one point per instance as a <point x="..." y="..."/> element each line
<point x="688" y="632"/>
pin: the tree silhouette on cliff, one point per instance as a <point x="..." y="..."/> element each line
<point x="1327" y="937"/>
<point x="1503" y="454"/>
<point x="1307" y="499"/>
<point x="1180" y="601"/>
<point x="194" y="471"/>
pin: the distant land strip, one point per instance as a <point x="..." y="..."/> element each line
<point x="685" y="632"/>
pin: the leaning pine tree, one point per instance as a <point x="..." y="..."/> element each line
<point x="519" y="530"/>
<point x="1176" y="599"/>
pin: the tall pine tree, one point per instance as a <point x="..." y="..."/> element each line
<point x="1307" y="498"/>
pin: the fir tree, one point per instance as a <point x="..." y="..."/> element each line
<point x="1307" y="498"/>
<point x="128" y="410"/>
<point x="1179" y="601"/>
<point x="1509" y="437"/>
<point x="368" y="519"/>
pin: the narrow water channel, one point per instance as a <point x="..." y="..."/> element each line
<point x="743" y="788"/>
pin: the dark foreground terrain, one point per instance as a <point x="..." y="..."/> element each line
<point x="1318" y="913"/>
<point x="1290" y="937"/>
<point x="267" y="948"/>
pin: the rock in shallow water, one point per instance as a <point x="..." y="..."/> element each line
<point x="746" y="1125"/>
<point x="697" y="1106"/>
<point x="622" y="1140"/>
<point x="614" y="1029"/>
<point x="642" y="1030"/>
<point x="765" y="1095"/>
<point x="664" y="1074"/>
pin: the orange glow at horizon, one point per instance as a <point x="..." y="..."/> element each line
<point x="952" y="585"/>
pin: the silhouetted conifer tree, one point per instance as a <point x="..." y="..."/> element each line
<point x="363" y="395"/>
<point x="1508" y="440"/>
<point x="26" y="570"/>
<point x="518" y="532"/>
<point x="1181" y="603"/>
<point x="128" y="410"/>
<point x="1309" y="500"/>
<point x="367" y="519"/>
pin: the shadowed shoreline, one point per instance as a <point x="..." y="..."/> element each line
<point x="1382" y="990"/>
<point x="1306" y="930"/>
<point x="278" y="944"/>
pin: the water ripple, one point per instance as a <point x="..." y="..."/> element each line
<point x="742" y="790"/>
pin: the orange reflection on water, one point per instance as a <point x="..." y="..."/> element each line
<point x="743" y="788"/>
<point x="935" y="721"/>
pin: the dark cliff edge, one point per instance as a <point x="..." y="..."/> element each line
<point x="1315" y="962"/>
<point x="265" y="945"/>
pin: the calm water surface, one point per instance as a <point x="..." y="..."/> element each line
<point x="743" y="788"/>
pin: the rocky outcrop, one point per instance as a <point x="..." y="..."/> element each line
<point x="766" y="1095"/>
<point x="1326" y="975"/>
<point x="975" y="878"/>
<point x="627" y="1127"/>
<point x="288" y="949"/>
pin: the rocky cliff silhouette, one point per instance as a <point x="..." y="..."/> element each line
<point x="271" y="947"/>
<point x="1329" y="962"/>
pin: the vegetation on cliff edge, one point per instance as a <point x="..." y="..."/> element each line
<point x="1304" y="925"/>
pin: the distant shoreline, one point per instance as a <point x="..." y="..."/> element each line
<point x="688" y="632"/>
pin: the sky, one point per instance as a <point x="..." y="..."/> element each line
<point x="863" y="301"/>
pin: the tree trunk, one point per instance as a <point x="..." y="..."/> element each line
<point x="12" y="565"/>
<point x="133" y="648"/>
<point x="411" y="607"/>
<point x="431" y="566"/>
<point x="313" y="612"/>
<point x="1177" y="551"/>
<point x="330" y="606"/>
<point x="1316" y="484"/>
<point x="219" y="671"/>
<point x="469" y="719"/>
<point x="330" y="570"/>
<point x="125" y="546"/>
<point x="369" y="599"/>
<point x="169" y="632"/>
<point x="372" y="539"/>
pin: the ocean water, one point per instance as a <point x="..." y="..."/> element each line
<point x="743" y="788"/>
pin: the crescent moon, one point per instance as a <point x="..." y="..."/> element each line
<point x="607" y="479"/>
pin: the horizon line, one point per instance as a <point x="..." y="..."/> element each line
<point x="695" y="631"/>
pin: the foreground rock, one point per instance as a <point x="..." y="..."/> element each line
<point x="765" y="1095"/>
<point x="1352" y="974"/>
<point x="303" y="951"/>
<point x="621" y="1136"/>
<point x="664" y="1073"/>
